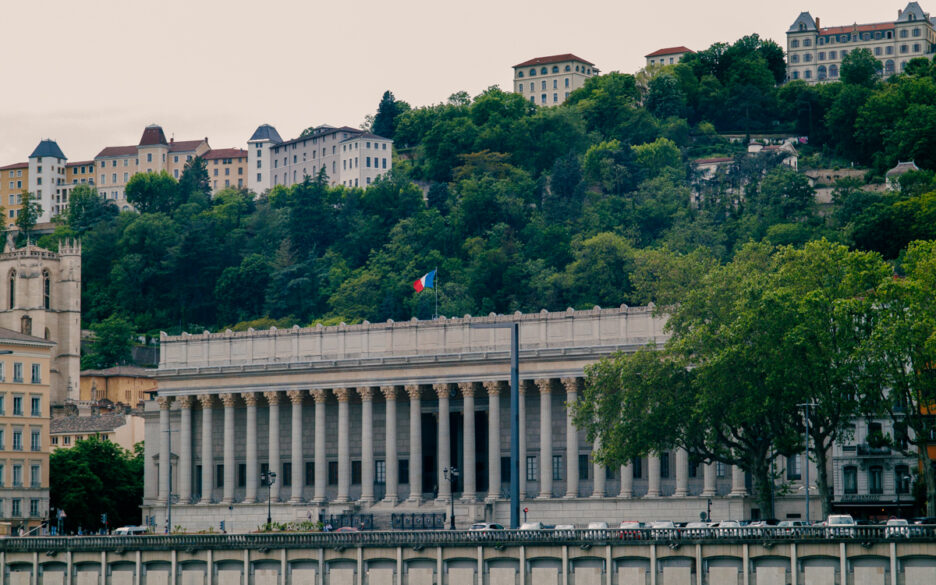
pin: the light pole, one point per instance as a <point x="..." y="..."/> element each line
<point x="904" y="481"/>
<point x="267" y="479"/>
<point x="514" y="415"/>
<point x="451" y="473"/>
<point x="806" y="405"/>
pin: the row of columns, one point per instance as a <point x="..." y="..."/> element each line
<point x="443" y="392"/>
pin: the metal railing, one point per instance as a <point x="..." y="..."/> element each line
<point x="418" y="539"/>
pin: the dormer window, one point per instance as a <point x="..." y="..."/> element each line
<point x="802" y="26"/>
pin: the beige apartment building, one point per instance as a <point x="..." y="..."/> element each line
<point x="548" y="81"/>
<point x="118" y="385"/>
<point x="815" y="53"/>
<point x="227" y="167"/>
<point x="24" y="430"/>
<point x="124" y="430"/>
<point x="667" y="56"/>
<point x="14" y="179"/>
<point x="154" y="153"/>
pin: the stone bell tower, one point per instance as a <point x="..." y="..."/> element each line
<point x="40" y="295"/>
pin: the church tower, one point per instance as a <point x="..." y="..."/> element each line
<point x="40" y="295"/>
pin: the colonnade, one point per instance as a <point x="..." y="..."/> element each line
<point x="340" y="421"/>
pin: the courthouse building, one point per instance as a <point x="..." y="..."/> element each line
<point x="365" y="418"/>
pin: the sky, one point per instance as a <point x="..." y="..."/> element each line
<point x="94" y="74"/>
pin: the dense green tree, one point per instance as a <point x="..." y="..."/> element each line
<point x="385" y="121"/>
<point x="28" y="215"/>
<point x="194" y="183"/>
<point x="152" y="192"/>
<point x="665" y="97"/>
<point x="860" y="67"/>
<point x="87" y="208"/>
<point x="112" y="344"/>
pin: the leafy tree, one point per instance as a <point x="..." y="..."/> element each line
<point x="387" y="112"/>
<point x="112" y="345"/>
<point x="194" y="184"/>
<point x="152" y="192"/>
<point x="95" y="477"/>
<point x="87" y="208"/>
<point x="860" y="67"/>
<point x="28" y="214"/>
<point x="665" y="97"/>
<point x="660" y="154"/>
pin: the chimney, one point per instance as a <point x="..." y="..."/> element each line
<point x="817" y="22"/>
<point x="899" y="13"/>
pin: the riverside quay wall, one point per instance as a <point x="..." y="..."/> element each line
<point x="582" y="557"/>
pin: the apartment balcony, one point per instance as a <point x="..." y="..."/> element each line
<point x="866" y="450"/>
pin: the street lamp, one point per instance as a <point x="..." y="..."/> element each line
<point x="806" y="405"/>
<point x="267" y="479"/>
<point x="451" y="474"/>
<point x="903" y="485"/>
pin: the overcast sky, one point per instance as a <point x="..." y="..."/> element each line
<point x="93" y="74"/>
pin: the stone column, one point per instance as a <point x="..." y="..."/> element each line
<point x="494" y="447"/>
<point x="273" y="457"/>
<point x="522" y="443"/>
<point x="185" y="450"/>
<point x="393" y="479"/>
<point x="470" y="489"/>
<point x="295" y="431"/>
<point x="229" y="400"/>
<point x="165" y="457"/>
<point x="653" y="476"/>
<point x="627" y="481"/>
<point x="321" y="464"/>
<point x="207" y="453"/>
<point x="682" y="473"/>
<point x="598" y="470"/>
<point x="415" y="444"/>
<point x="546" y="471"/>
<point x="572" y="444"/>
<point x="444" y="443"/>
<point x="344" y="444"/>
<point x="367" y="444"/>
<point x="250" y="491"/>
<point x="737" y="482"/>
<point x="708" y="487"/>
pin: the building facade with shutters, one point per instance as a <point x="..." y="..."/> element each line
<point x="548" y="81"/>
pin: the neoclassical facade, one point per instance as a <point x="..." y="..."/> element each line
<point x="365" y="418"/>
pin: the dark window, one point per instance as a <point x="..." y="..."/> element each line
<point x="693" y="469"/>
<point x="241" y="474"/>
<point x="219" y="476"/>
<point x="264" y="467"/>
<point x="310" y="473"/>
<point x="505" y="469"/>
<point x="531" y="468"/>
<point x="876" y="480"/>
<point x="46" y="290"/>
<point x="332" y="473"/>
<point x="609" y="473"/>
<point x="286" y="476"/>
<point x="557" y="467"/>
<point x="403" y="470"/>
<point x="583" y="467"/>
<point x="793" y="467"/>
<point x="902" y="479"/>
<point x="380" y="472"/>
<point x="850" y="479"/>
<point x="664" y="465"/>
<point x="355" y="472"/>
<point x="637" y="471"/>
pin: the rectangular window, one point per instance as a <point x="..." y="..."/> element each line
<point x="531" y="474"/>
<point x="310" y="473"/>
<point x="332" y="473"/>
<point x="719" y="469"/>
<point x="18" y="373"/>
<point x="876" y="480"/>
<point x="219" y="476"/>
<point x="33" y="508"/>
<point x="355" y="473"/>
<point x="16" y="512"/>
<point x="557" y="467"/>
<point x="35" y="475"/>
<point x="241" y="475"/>
<point x="403" y="470"/>
<point x="286" y="475"/>
<point x="505" y="469"/>
<point x="35" y="441"/>
<point x="850" y="479"/>
<point x="902" y="479"/>
<point x="583" y="467"/>
<point x="17" y="440"/>
<point x="380" y="472"/>
<point x="17" y="475"/>
<point x="2" y="475"/>
<point x="793" y="467"/>
<point x="36" y="374"/>
<point x="664" y="465"/>
<point x="636" y="465"/>
<point x="2" y="405"/>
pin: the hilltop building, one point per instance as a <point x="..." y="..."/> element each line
<point x="227" y="167"/>
<point x="125" y="430"/>
<point x="548" y="81"/>
<point x="118" y="385"/>
<point x="349" y="157"/>
<point x="815" y="53"/>
<point x="667" y="56"/>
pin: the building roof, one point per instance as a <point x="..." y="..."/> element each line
<point x="185" y="145"/>
<point x="670" y="51"/>
<point x="553" y="59"/>
<point x="901" y="168"/>
<point x="806" y="20"/>
<point x="153" y="135"/>
<point x="47" y="147"/>
<point x="912" y="12"/>
<point x="118" y="371"/>
<point x="323" y="130"/>
<point x="117" y="151"/>
<point x="370" y="135"/>
<point x="15" y="336"/>
<point x="851" y="28"/>
<point x="87" y="424"/>
<point x="225" y="153"/>
<point x="266" y="132"/>
<point x="78" y="163"/>
<point x="20" y="165"/>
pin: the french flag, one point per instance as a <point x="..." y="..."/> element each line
<point x="425" y="282"/>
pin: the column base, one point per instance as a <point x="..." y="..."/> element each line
<point x="490" y="499"/>
<point x="341" y="500"/>
<point x="367" y="501"/>
<point x="596" y="496"/>
<point x="390" y="501"/>
<point x="543" y="497"/>
<point x="681" y="494"/>
<point x="296" y="501"/>
<point x="318" y="500"/>
<point x="469" y="499"/>
<point x="705" y="494"/>
<point x="414" y="501"/>
<point x="628" y="496"/>
<point x="737" y="494"/>
<point x="653" y="496"/>
<point x="443" y="500"/>
<point x="249" y="501"/>
<point x="570" y="496"/>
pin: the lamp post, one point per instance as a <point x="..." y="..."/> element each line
<point x="451" y="473"/>
<point x="903" y="485"/>
<point x="267" y="479"/>
<point x="806" y="405"/>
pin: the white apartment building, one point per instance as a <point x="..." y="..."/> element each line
<point x="548" y="81"/>
<point x="815" y="54"/>
<point x="47" y="176"/>
<point x="350" y="157"/>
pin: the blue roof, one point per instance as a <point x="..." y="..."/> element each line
<point x="48" y="147"/>
<point x="266" y="132"/>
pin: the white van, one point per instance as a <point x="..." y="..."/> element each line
<point x="131" y="531"/>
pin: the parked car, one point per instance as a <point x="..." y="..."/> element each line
<point x="532" y="526"/>
<point x="841" y="525"/>
<point x="597" y="525"/>
<point x="897" y="528"/>
<point x="695" y="530"/>
<point x="664" y="529"/>
<point x="632" y="530"/>
<point x="564" y="527"/>
<point x="131" y="531"/>
<point x="486" y="526"/>
<point x="790" y="527"/>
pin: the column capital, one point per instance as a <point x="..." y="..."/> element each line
<point x="164" y="402"/>
<point x="414" y="391"/>
<point x="320" y="395"/>
<point x="186" y="401"/>
<point x="229" y="400"/>
<point x="572" y="384"/>
<point x="442" y="390"/>
<point x="467" y="389"/>
<point x="366" y="393"/>
<point x="494" y="387"/>
<point x="544" y="385"/>
<point x="250" y="398"/>
<point x="343" y="394"/>
<point x="389" y="392"/>
<point x="206" y="400"/>
<point x="296" y="396"/>
<point x="273" y="397"/>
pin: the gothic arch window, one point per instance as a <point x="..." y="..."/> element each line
<point x="46" y="290"/>
<point x="46" y="335"/>
<point x="26" y="325"/>
<point x="12" y="289"/>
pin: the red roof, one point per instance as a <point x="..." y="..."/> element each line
<point x="152" y="136"/>
<point x="225" y="153"/>
<point x="553" y="59"/>
<point x="838" y="30"/>
<point x="184" y="145"/>
<point x="117" y="151"/>
<point x="670" y="51"/>
<point x="23" y="165"/>
<point x="79" y="163"/>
